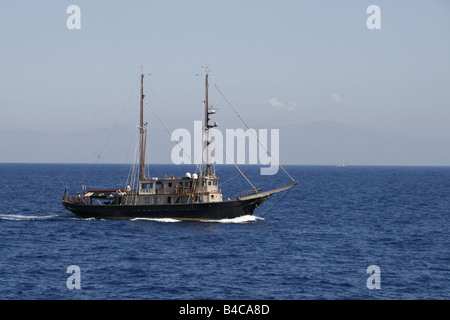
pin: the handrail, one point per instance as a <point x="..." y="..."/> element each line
<point x="249" y="192"/>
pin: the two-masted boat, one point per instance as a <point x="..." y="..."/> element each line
<point x="196" y="196"/>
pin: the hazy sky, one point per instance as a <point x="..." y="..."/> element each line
<point x="279" y="62"/>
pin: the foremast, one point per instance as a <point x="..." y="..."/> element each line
<point x="142" y="133"/>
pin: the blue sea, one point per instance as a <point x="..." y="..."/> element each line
<point x="315" y="241"/>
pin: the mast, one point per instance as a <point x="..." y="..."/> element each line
<point x="208" y="165"/>
<point x="142" y="133"/>
<point x="208" y="126"/>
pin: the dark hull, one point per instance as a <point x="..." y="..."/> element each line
<point x="195" y="211"/>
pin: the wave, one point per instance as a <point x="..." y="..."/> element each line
<point x="242" y="219"/>
<point x="85" y="219"/>
<point x="156" y="219"/>
<point x="21" y="217"/>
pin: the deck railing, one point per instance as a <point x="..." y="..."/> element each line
<point x="74" y="199"/>
<point x="249" y="192"/>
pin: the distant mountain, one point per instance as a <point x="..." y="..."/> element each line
<point x="107" y="145"/>
<point x="333" y="143"/>
<point x="318" y="143"/>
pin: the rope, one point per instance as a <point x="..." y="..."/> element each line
<point x="275" y="204"/>
<point x="225" y="182"/>
<point x="167" y="129"/>
<point x="115" y="125"/>
<point x="256" y="137"/>
<point x="238" y="168"/>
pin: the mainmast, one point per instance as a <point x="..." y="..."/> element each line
<point x="142" y="135"/>
<point x="208" y="111"/>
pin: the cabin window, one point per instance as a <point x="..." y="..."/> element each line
<point x="209" y="183"/>
<point x="215" y="183"/>
<point x="169" y="199"/>
<point x="169" y="184"/>
<point x="186" y="184"/>
<point x="159" y="185"/>
<point x="147" y="185"/>
<point x="212" y="196"/>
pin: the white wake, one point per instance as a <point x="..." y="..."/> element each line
<point x="168" y="220"/>
<point x="242" y="219"/>
<point x="20" y="217"/>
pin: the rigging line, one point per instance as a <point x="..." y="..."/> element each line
<point x="178" y="90"/>
<point x="167" y="129"/>
<point x="237" y="167"/>
<point x="163" y="107"/>
<point x="225" y="182"/>
<point x="275" y="204"/>
<point x="115" y="125"/>
<point x="235" y="111"/>
<point x="261" y="214"/>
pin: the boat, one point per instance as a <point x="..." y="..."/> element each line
<point x="196" y="196"/>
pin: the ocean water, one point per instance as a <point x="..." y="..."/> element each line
<point x="315" y="241"/>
